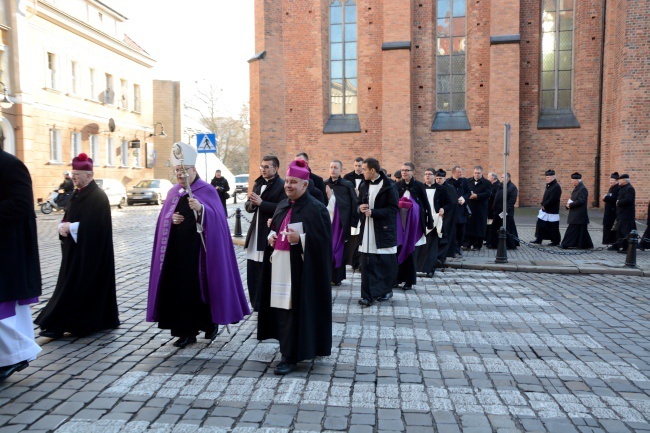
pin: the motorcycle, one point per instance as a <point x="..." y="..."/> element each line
<point x="54" y="203"/>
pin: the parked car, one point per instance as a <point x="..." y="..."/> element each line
<point x="114" y="190"/>
<point x="151" y="191"/>
<point x="241" y="186"/>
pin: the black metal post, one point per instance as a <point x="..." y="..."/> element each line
<point x="234" y="194"/>
<point x="502" y="250"/>
<point x="632" y="242"/>
<point x="238" y="223"/>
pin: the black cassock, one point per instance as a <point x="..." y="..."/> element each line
<point x="180" y="308"/>
<point x="436" y="247"/>
<point x="406" y="270"/>
<point x="492" y="235"/>
<point x="84" y="300"/>
<point x="476" y="228"/>
<point x="346" y="203"/>
<point x="625" y="213"/>
<point x="20" y="272"/>
<point x="551" y="203"/>
<point x="609" y="235"/>
<point x="577" y="233"/>
<point x="511" y="229"/>
<point x="304" y="331"/>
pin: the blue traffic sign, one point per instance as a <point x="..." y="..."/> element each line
<point x="206" y="143"/>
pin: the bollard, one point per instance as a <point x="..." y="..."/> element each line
<point x="238" y="223"/>
<point x="234" y="196"/>
<point x="632" y="242"/>
<point x="502" y="250"/>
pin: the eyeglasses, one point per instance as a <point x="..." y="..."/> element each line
<point x="266" y="167"/>
<point x="405" y="170"/>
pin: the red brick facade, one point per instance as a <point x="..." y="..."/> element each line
<point x="397" y="91"/>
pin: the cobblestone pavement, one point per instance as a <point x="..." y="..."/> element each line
<point x="471" y="351"/>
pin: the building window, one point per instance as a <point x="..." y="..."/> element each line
<point x="94" y="148"/>
<point x="125" y="153"/>
<point x="92" y="87"/>
<point x="55" y="145"/>
<point x="124" y="94"/>
<point x="343" y="57"/>
<point x="136" y="98"/>
<point x="451" y="32"/>
<point x="110" y="151"/>
<point x="75" y="144"/>
<point x="74" y="77"/>
<point x="557" y="54"/>
<point x="109" y="92"/>
<point x="51" y="71"/>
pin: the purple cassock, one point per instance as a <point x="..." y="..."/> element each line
<point x="409" y="230"/>
<point x="221" y="285"/>
<point x="338" y="239"/>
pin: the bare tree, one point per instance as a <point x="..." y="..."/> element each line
<point x="233" y="134"/>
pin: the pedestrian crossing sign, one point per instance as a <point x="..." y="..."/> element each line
<point x="206" y="143"/>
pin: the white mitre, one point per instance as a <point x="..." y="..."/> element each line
<point x="185" y="152"/>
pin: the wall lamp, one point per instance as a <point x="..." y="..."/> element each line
<point x="162" y="130"/>
<point x="5" y="102"/>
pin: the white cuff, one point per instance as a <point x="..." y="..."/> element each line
<point x="74" y="229"/>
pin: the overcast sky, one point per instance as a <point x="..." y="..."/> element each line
<point x="194" y="40"/>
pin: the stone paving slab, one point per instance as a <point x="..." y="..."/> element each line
<point x="468" y="350"/>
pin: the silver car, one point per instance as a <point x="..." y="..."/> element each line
<point x="152" y="191"/>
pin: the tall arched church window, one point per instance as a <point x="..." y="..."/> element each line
<point x="557" y="65"/>
<point x="451" y="57"/>
<point x="451" y="34"/>
<point x="343" y="57"/>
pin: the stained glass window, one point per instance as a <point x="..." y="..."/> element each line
<point x="451" y="34"/>
<point x="557" y="54"/>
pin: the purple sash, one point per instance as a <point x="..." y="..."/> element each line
<point x="408" y="230"/>
<point x="8" y="308"/>
<point x="338" y="242"/>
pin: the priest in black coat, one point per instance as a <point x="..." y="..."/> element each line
<point x="342" y="206"/>
<point x="609" y="216"/>
<point x="548" y="218"/>
<point x="625" y="209"/>
<point x="295" y="300"/>
<point x="378" y="209"/>
<point x="492" y="235"/>
<point x="511" y="198"/>
<point x="442" y="202"/>
<point x="476" y="228"/>
<point x="644" y="245"/>
<point x="462" y="193"/>
<point x="352" y="256"/>
<point x="20" y="271"/>
<point x="577" y="234"/>
<point x="411" y="188"/>
<point x="267" y="192"/>
<point x="84" y="300"/>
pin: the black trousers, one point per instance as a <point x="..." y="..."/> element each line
<point x="253" y="272"/>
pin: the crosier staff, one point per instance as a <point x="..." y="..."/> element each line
<point x="178" y="153"/>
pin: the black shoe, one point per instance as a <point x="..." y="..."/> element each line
<point x="439" y="264"/>
<point x="183" y="342"/>
<point x="553" y="244"/>
<point x="536" y="241"/>
<point x="386" y="297"/>
<point x="476" y="248"/>
<point x="336" y="284"/>
<point x="464" y="248"/>
<point x="8" y="370"/>
<point x="396" y="286"/>
<point x="564" y="247"/>
<point x="612" y="248"/>
<point x="407" y="287"/>
<point x="622" y="251"/>
<point x="53" y="334"/>
<point x="365" y="302"/>
<point x="284" y="368"/>
<point x="430" y="274"/>
<point x="211" y="335"/>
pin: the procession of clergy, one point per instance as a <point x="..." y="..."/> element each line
<point x="303" y="234"/>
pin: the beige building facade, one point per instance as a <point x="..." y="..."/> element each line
<point x="78" y="84"/>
